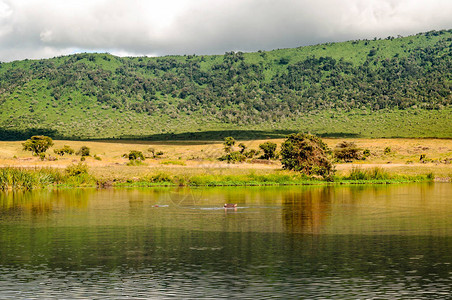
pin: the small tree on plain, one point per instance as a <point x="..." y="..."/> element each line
<point x="269" y="149"/>
<point x="38" y="144"/>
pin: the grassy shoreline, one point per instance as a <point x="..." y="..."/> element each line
<point x="27" y="179"/>
<point x="195" y="163"/>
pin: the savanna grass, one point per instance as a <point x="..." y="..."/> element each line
<point x="28" y="179"/>
<point x="378" y="174"/>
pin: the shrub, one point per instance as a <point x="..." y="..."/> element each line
<point x="306" y="153"/>
<point x="387" y="150"/>
<point x="83" y="151"/>
<point x="242" y="147"/>
<point x="366" y="153"/>
<point x="251" y="153"/>
<point x="76" y="169"/>
<point x="228" y="143"/>
<point x="135" y="155"/>
<point x="233" y="157"/>
<point x="64" y="150"/>
<point x="152" y="151"/>
<point x="346" y="151"/>
<point x="37" y="144"/>
<point x="269" y="149"/>
<point x="159" y="177"/>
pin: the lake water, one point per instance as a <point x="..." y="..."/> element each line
<point x="346" y="242"/>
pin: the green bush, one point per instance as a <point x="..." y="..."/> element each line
<point x="158" y="178"/>
<point x="228" y="143"/>
<point x="83" y="151"/>
<point x="242" y="147"/>
<point x="64" y="150"/>
<point x="233" y="157"/>
<point x="135" y="155"/>
<point x="76" y="169"/>
<point x="306" y="153"/>
<point x="366" y="153"/>
<point x="269" y="149"/>
<point x="251" y="153"/>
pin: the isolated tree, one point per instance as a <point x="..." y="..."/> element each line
<point x="306" y="153"/>
<point x="37" y="144"/>
<point x="346" y="151"/>
<point x="269" y="149"/>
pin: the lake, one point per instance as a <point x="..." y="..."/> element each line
<point x="325" y="242"/>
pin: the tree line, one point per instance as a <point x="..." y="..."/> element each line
<point x="237" y="87"/>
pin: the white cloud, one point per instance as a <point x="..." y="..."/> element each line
<point x="44" y="28"/>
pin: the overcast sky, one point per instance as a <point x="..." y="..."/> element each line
<point x="47" y="28"/>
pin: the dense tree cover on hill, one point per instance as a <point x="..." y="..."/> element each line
<point x="235" y="88"/>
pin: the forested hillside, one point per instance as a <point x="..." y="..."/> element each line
<point x="391" y="87"/>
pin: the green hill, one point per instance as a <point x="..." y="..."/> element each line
<point x="395" y="87"/>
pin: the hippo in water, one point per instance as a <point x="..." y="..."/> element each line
<point x="230" y="205"/>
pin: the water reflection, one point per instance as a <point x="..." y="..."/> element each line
<point x="42" y="202"/>
<point x="306" y="210"/>
<point x="290" y="242"/>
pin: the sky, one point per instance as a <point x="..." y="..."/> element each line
<point x="33" y="29"/>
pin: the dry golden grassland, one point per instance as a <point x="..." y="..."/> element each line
<point x="198" y="158"/>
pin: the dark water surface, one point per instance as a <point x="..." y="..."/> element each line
<point x="353" y="242"/>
